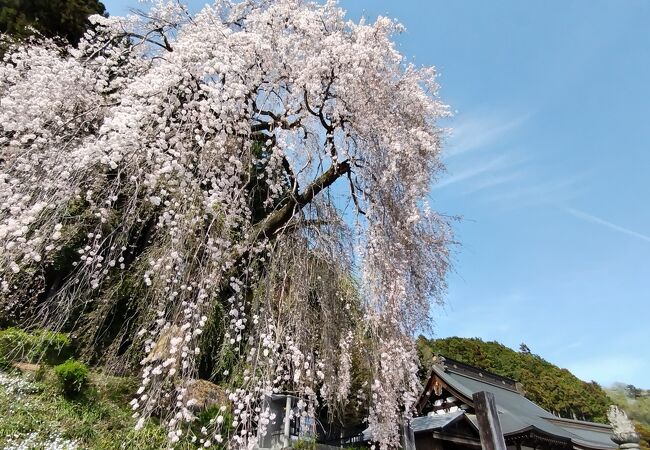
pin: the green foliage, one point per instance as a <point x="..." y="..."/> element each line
<point x="207" y="417"/>
<point x="63" y="18"/>
<point x="5" y="365"/>
<point x="50" y="346"/>
<point x="644" y="434"/>
<point x="551" y="387"/>
<point x="304" y="444"/>
<point x="40" y="373"/>
<point x="72" y="376"/>
<point x="633" y="391"/>
<point x="14" y="343"/>
<point x="45" y="345"/>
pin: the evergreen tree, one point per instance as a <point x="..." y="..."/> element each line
<point x="52" y="18"/>
<point x="632" y="391"/>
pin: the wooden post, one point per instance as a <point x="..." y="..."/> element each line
<point x="407" y="437"/>
<point x="286" y="438"/>
<point x="489" y="426"/>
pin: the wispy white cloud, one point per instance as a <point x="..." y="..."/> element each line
<point x="495" y="180"/>
<point x="612" y="226"/>
<point x="476" y="170"/>
<point x="547" y="192"/>
<point x="474" y="133"/>
<point x="485" y="158"/>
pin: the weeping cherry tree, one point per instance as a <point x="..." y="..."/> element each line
<point x="237" y="194"/>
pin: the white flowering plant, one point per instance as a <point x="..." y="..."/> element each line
<point x="239" y="193"/>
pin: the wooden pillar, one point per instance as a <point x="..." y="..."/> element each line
<point x="489" y="426"/>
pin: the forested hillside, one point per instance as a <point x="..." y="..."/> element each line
<point x="551" y="387"/>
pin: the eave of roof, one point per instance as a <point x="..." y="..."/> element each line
<point x="435" y="422"/>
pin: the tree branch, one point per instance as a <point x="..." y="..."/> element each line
<point x="276" y="220"/>
<point x="166" y="44"/>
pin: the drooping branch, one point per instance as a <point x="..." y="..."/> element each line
<point x="353" y="194"/>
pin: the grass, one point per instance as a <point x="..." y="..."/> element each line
<point x="36" y="412"/>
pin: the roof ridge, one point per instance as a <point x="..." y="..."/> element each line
<point x="570" y="422"/>
<point x="479" y="374"/>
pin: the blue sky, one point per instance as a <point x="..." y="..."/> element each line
<point x="548" y="166"/>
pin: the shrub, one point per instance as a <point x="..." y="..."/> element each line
<point x="72" y="376"/>
<point x="19" y="345"/>
<point x="14" y="344"/>
<point x="49" y="345"/>
<point x="5" y="365"/>
<point x="304" y="444"/>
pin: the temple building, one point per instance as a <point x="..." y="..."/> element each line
<point x="447" y="416"/>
